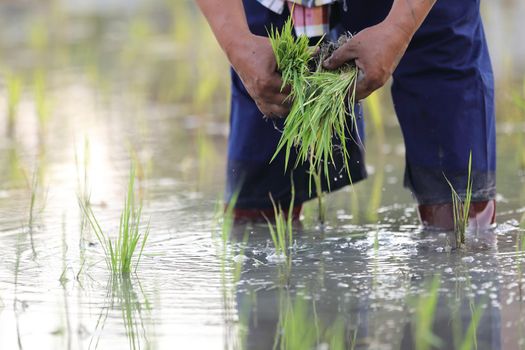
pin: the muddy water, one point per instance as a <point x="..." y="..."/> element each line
<point x="119" y="90"/>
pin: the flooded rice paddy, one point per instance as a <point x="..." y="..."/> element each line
<point x="89" y="89"/>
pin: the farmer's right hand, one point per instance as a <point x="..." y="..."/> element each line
<point x="254" y="61"/>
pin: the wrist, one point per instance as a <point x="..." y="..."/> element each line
<point x="399" y="35"/>
<point x="236" y="43"/>
<point x="401" y="29"/>
<point x="406" y="16"/>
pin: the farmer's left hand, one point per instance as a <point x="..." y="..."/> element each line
<point x="377" y="51"/>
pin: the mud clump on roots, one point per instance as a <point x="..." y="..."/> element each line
<point x="325" y="50"/>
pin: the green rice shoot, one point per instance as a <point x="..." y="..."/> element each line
<point x="120" y="252"/>
<point x="42" y="104"/>
<point x="293" y="56"/>
<point x="461" y="207"/>
<point x="423" y="318"/>
<point x="14" y="94"/>
<point x="470" y="340"/>
<point x="282" y="233"/>
<point x="299" y="327"/>
<point x="323" y="103"/>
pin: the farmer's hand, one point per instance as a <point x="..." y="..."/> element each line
<point x="377" y="51"/>
<point x="254" y="62"/>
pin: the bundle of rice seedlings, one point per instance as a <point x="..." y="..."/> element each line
<point x="323" y="102"/>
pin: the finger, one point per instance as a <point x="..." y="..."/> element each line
<point x="364" y="86"/>
<point x="367" y="83"/>
<point x="273" y="110"/>
<point x="286" y="90"/>
<point x="347" y="52"/>
<point x="362" y="92"/>
<point x="277" y="99"/>
<point x="275" y="84"/>
<point x="276" y="111"/>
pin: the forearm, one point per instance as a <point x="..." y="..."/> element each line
<point x="408" y="15"/>
<point x="227" y="21"/>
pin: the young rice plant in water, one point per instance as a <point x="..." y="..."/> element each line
<point x="423" y="318"/>
<point x="461" y="207"/>
<point x="14" y="94"/>
<point x="282" y="233"/>
<point x="319" y="113"/>
<point x="130" y="241"/>
<point x="299" y="328"/>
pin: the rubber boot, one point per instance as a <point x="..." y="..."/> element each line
<point x="440" y="216"/>
<point x="258" y="215"/>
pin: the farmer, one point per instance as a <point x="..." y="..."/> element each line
<point x="443" y="93"/>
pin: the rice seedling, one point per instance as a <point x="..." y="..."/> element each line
<point x="226" y="233"/>
<point x="299" y="328"/>
<point x="222" y="239"/>
<point x="38" y="37"/>
<point x="139" y="31"/>
<point x="323" y="101"/>
<point x="63" y="276"/>
<point x="230" y="274"/>
<point x="423" y="318"/>
<point x="42" y="102"/>
<point x="84" y="196"/>
<point x="14" y="94"/>
<point x="16" y="301"/>
<point x="335" y="336"/>
<point x="376" y="193"/>
<point x="461" y="207"/>
<point x="33" y="191"/>
<point x="240" y="342"/>
<point x="321" y="208"/>
<point x="295" y="329"/>
<point x="131" y="309"/>
<point x="520" y="252"/>
<point x="122" y="297"/>
<point x="120" y="252"/>
<point x="63" y="280"/>
<point x="465" y="339"/>
<point x="14" y="169"/>
<point x="293" y="56"/>
<point x="181" y="15"/>
<point x="470" y="341"/>
<point x="83" y="186"/>
<point x="206" y="156"/>
<point x="282" y="233"/>
<point x="143" y="166"/>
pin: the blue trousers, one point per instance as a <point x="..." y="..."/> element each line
<point x="443" y="93"/>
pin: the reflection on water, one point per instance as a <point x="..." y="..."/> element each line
<point x="382" y="298"/>
<point x="123" y="299"/>
<point x="145" y="82"/>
